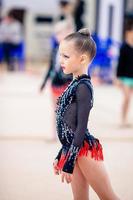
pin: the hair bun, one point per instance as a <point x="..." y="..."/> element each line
<point x="85" y="31"/>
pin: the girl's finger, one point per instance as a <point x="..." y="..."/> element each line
<point x="62" y="177"/>
<point x="57" y="172"/>
<point x="68" y="177"/>
<point x="55" y="167"/>
<point x="55" y="162"/>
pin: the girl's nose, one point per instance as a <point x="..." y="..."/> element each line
<point x="61" y="60"/>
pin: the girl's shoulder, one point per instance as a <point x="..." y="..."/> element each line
<point x="84" y="84"/>
<point x="85" y="80"/>
<point x="84" y="89"/>
<point x="79" y="83"/>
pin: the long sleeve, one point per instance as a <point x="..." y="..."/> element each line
<point x="48" y="74"/>
<point x="122" y="61"/>
<point x="125" y="62"/>
<point x="84" y="104"/>
<point x="58" y="155"/>
<point x="54" y="47"/>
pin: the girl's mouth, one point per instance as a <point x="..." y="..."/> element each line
<point x="63" y="67"/>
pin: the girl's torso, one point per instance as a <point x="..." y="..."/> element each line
<point x="67" y="107"/>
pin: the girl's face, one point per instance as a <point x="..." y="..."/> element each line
<point x="129" y="37"/>
<point x="70" y="59"/>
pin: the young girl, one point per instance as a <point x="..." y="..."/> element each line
<point x="59" y="80"/>
<point x="80" y="160"/>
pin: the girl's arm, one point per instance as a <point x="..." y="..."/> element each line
<point x="59" y="155"/>
<point x="84" y="104"/>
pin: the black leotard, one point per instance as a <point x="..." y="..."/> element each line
<point x="72" y="113"/>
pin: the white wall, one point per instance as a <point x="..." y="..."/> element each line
<point x="117" y="20"/>
<point x="37" y="39"/>
<point x="37" y="36"/>
<point x="46" y="6"/>
<point x="90" y="14"/>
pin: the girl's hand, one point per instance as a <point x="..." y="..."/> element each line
<point x="66" y="176"/>
<point x="56" y="170"/>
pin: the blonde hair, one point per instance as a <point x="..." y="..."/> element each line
<point x="83" y="42"/>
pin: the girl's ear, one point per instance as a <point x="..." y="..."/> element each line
<point x="84" y="59"/>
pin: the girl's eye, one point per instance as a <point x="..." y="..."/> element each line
<point x="65" y="56"/>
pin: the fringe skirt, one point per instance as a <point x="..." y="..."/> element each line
<point x="95" y="149"/>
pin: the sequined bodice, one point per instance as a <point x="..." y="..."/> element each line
<point x="66" y="112"/>
<point x="72" y="113"/>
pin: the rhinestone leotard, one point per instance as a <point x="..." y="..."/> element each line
<point x="72" y="113"/>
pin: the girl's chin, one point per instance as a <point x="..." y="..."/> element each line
<point x="66" y="72"/>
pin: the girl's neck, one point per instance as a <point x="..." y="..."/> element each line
<point x="79" y="73"/>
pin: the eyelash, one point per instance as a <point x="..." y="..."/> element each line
<point x="65" y="56"/>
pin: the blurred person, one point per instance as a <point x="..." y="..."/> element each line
<point x="125" y="72"/>
<point x="66" y="9"/>
<point x="59" y="81"/>
<point x="79" y="13"/>
<point x="10" y="38"/>
<point x="80" y="159"/>
<point x="66" y="13"/>
<point x="64" y="25"/>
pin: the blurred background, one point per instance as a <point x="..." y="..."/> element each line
<point x="31" y="81"/>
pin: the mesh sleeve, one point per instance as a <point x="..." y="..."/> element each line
<point x="83" y="100"/>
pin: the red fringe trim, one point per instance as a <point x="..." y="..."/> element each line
<point x="96" y="153"/>
<point x="62" y="160"/>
